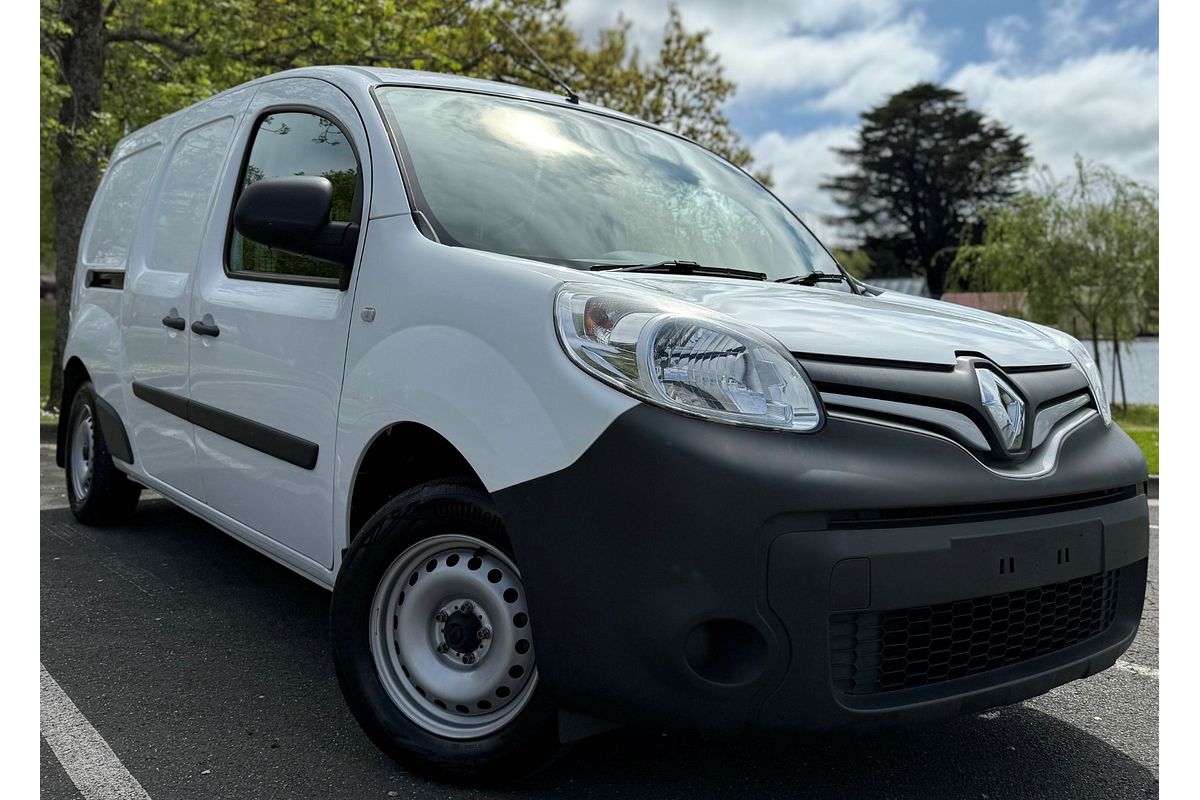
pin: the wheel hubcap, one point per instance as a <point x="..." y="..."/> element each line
<point x="464" y="632"/>
<point x="450" y="637"/>
<point x="81" y="454"/>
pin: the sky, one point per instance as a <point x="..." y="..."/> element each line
<point x="1072" y="76"/>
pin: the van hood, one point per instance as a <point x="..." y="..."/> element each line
<point x="890" y="326"/>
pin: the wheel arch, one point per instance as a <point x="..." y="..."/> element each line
<point x="75" y="374"/>
<point x="398" y="457"/>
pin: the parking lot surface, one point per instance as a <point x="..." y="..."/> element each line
<point x="205" y="668"/>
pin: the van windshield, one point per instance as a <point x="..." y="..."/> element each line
<point x="581" y="189"/>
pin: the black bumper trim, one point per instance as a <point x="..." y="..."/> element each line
<point x="666" y="523"/>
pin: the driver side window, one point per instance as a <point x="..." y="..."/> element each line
<point x="286" y="143"/>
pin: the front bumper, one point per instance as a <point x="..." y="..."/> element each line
<point x="691" y="575"/>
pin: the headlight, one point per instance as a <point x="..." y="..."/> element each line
<point x="685" y="358"/>
<point x="1089" y="367"/>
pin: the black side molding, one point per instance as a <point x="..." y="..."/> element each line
<point x="255" y="435"/>
<point x="168" y="402"/>
<point x="114" y="430"/>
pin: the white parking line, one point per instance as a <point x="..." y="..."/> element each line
<point x="1136" y="669"/>
<point x="90" y="763"/>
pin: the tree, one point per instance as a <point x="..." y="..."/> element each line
<point x="684" y="90"/>
<point x="856" y="262"/>
<point x="112" y="66"/>
<point x="925" y="167"/>
<point x="1085" y="251"/>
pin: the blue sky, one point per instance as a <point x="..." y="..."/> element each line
<point x="1072" y="76"/>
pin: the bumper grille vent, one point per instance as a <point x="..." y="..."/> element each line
<point x="884" y="651"/>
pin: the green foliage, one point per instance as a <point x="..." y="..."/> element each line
<point x="856" y="262"/>
<point x="925" y="166"/>
<point x="1085" y="250"/>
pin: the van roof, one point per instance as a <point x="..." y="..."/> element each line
<point x="365" y="78"/>
<point x="358" y="82"/>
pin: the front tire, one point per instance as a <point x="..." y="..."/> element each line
<point x="99" y="493"/>
<point x="431" y="638"/>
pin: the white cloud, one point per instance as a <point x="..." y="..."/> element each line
<point x="1004" y="36"/>
<point x="799" y="165"/>
<point x="810" y="15"/>
<point x="839" y="55"/>
<point x="1068" y="31"/>
<point x="1071" y="28"/>
<point x="1103" y="107"/>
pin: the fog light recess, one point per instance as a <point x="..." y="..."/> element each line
<point x="726" y="651"/>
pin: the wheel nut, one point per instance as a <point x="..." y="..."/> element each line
<point x="440" y="616"/>
<point x="442" y="647"/>
<point x="484" y="633"/>
<point x="468" y="607"/>
<point x="469" y="658"/>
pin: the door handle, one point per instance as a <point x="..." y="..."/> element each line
<point x="177" y="323"/>
<point x="205" y="330"/>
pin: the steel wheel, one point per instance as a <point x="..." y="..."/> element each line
<point x="450" y="637"/>
<point x="82" y="444"/>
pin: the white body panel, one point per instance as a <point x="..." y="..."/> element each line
<point x="479" y="363"/>
<point x="461" y="341"/>
<point x="158" y="285"/>
<point x="893" y="326"/>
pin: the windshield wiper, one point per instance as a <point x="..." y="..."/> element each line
<point x="677" y="267"/>
<point x="813" y="278"/>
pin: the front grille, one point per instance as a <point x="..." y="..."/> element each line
<point x="884" y="651"/>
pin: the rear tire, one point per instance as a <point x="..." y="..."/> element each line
<point x="99" y="493"/>
<point x="431" y="639"/>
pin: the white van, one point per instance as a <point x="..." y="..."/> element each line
<point x="582" y="426"/>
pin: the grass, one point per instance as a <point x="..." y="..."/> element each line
<point x="47" y="349"/>
<point x="1141" y="423"/>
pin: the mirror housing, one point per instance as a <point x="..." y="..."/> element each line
<point x="292" y="214"/>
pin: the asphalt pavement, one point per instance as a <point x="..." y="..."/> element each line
<point x="205" y="668"/>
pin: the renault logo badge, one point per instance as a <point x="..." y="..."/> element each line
<point x="1003" y="405"/>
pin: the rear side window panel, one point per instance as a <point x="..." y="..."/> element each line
<point x="118" y="206"/>
<point x="296" y="141"/>
<point x="182" y="210"/>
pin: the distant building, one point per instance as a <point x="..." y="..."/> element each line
<point x="1011" y="304"/>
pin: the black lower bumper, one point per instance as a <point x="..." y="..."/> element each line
<point x="686" y="574"/>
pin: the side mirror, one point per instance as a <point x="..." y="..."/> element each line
<point x="292" y="214"/>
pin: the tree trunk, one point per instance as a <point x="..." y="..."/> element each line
<point x="935" y="279"/>
<point x="1119" y="370"/>
<point x="77" y="173"/>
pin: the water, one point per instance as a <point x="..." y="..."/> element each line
<point x="1139" y="361"/>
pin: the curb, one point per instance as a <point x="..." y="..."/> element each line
<point x="1152" y="487"/>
